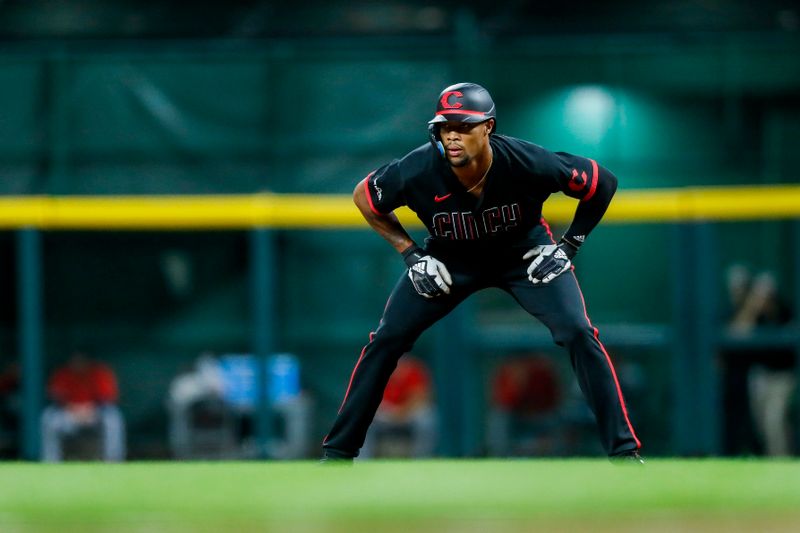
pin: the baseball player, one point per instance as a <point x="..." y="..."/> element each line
<point x="480" y="196"/>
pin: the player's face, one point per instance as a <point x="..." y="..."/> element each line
<point x="463" y="141"/>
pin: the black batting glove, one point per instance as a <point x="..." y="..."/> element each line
<point x="428" y="275"/>
<point x="550" y="261"/>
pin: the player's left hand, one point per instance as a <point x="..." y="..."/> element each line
<point x="550" y="261"/>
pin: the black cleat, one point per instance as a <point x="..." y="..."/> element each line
<point x="631" y="457"/>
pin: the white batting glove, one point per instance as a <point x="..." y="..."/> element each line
<point x="550" y="261"/>
<point x="428" y="275"/>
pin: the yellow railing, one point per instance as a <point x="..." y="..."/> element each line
<point x="337" y="211"/>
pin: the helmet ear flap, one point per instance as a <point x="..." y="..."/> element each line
<point x="433" y="135"/>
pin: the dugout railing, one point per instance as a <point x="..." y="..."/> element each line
<point x="693" y="338"/>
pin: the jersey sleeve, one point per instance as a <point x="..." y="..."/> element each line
<point x="581" y="178"/>
<point x="384" y="188"/>
<point x="573" y="175"/>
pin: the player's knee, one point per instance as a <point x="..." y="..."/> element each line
<point x="393" y="339"/>
<point x="570" y="332"/>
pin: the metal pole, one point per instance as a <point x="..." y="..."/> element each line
<point x="472" y="390"/>
<point x="709" y="408"/>
<point x="262" y="279"/>
<point x="30" y="327"/>
<point x="447" y="381"/>
<point x="457" y="368"/>
<point x="795" y="261"/>
<point x="683" y="383"/>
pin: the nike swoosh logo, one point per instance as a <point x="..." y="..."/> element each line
<point x="438" y="198"/>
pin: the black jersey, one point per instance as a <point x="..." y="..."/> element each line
<point x="522" y="176"/>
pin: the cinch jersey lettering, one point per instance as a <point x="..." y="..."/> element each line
<point x="521" y="178"/>
<point x="464" y="226"/>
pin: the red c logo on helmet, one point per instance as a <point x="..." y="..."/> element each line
<point x="445" y="101"/>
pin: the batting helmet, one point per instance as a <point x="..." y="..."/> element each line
<point x="464" y="102"/>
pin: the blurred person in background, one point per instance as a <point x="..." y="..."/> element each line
<point x="739" y="436"/>
<point x="406" y="414"/>
<point x="760" y="381"/>
<point x="196" y="401"/>
<point x="84" y="394"/>
<point x="213" y="409"/>
<point x="526" y="396"/>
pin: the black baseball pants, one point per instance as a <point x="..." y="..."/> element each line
<point x="559" y="305"/>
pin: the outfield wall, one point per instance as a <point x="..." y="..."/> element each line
<point x="302" y="274"/>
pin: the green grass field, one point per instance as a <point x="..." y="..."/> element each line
<point x="402" y="496"/>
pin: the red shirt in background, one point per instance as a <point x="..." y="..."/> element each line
<point x="409" y="379"/>
<point x="526" y="385"/>
<point x="95" y="384"/>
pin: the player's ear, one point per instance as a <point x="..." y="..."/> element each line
<point x="489" y="126"/>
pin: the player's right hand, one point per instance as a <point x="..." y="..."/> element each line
<point x="549" y="261"/>
<point x="428" y="275"/>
